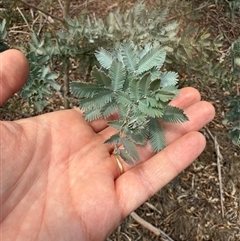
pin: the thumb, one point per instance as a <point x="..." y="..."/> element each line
<point x="14" y="70"/>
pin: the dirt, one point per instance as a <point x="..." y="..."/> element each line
<point x="190" y="207"/>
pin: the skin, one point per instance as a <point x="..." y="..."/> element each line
<point x="60" y="182"/>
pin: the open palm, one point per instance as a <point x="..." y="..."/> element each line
<point x="60" y="182"/>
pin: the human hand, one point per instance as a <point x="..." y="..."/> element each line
<point x="60" y="182"/>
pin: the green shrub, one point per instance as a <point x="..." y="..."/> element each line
<point x="233" y="6"/>
<point x="129" y="82"/>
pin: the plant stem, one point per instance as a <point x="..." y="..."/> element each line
<point x="66" y="9"/>
<point x="66" y="84"/>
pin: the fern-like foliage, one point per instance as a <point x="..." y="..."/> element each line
<point x="130" y="82"/>
<point x="3" y="36"/>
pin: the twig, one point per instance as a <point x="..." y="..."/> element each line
<point x="25" y="20"/>
<point x="16" y="31"/>
<point x="60" y="4"/>
<point x="81" y="5"/>
<point x="150" y="227"/>
<point x="219" y="159"/>
<point x="66" y="85"/>
<point x="209" y="133"/>
<point x="41" y="10"/>
<point x="152" y="207"/>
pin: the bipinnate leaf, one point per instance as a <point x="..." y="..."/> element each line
<point x="174" y="114"/>
<point x="123" y="98"/>
<point x="115" y="124"/>
<point x="109" y="109"/>
<point x="85" y="90"/>
<point x="114" y="139"/>
<point x="97" y="101"/>
<point x="130" y="83"/>
<point x="138" y="7"/>
<point x="92" y="115"/>
<point x="100" y="77"/>
<point x="144" y="85"/>
<point x="129" y="56"/>
<point x="130" y="148"/>
<point x="144" y="107"/>
<point x="138" y="136"/>
<point x="117" y="74"/>
<point x="126" y="157"/>
<point x="156" y="135"/>
<point x="104" y="57"/>
<point x="134" y="90"/>
<point x="144" y="50"/>
<point x="164" y="96"/>
<point x="154" y="57"/>
<point x="168" y="78"/>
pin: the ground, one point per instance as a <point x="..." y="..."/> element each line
<point x="190" y="207"/>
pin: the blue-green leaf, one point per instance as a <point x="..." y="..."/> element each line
<point x="109" y="109"/>
<point x="115" y="124"/>
<point x="168" y="78"/>
<point x="156" y="135"/>
<point x="96" y="102"/>
<point x="164" y="96"/>
<point x="144" y="85"/>
<point x="92" y="115"/>
<point x="126" y="157"/>
<point x="123" y="98"/>
<point x="130" y="148"/>
<point x="134" y="90"/>
<point x="138" y="136"/>
<point x="174" y="114"/>
<point x="105" y="58"/>
<point x="85" y="90"/>
<point x="114" y="139"/>
<point x="144" y="107"/>
<point x="100" y="77"/>
<point x="129" y="56"/>
<point x="155" y="57"/>
<point x="118" y="75"/>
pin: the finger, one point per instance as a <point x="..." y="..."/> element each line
<point x="14" y="71"/>
<point x="141" y="182"/>
<point x="199" y="115"/>
<point x="187" y="96"/>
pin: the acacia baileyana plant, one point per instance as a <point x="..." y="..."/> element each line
<point x="130" y="82"/>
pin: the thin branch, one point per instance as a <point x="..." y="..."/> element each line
<point x="16" y="31"/>
<point x="219" y="159"/>
<point x="66" y="85"/>
<point x="81" y="5"/>
<point x="42" y="11"/>
<point x="152" y="207"/>
<point x="150" y="227"/>
<point x="66" y="9"/>
<point x="60" y="4"/>
<point x="25" y="20"/>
